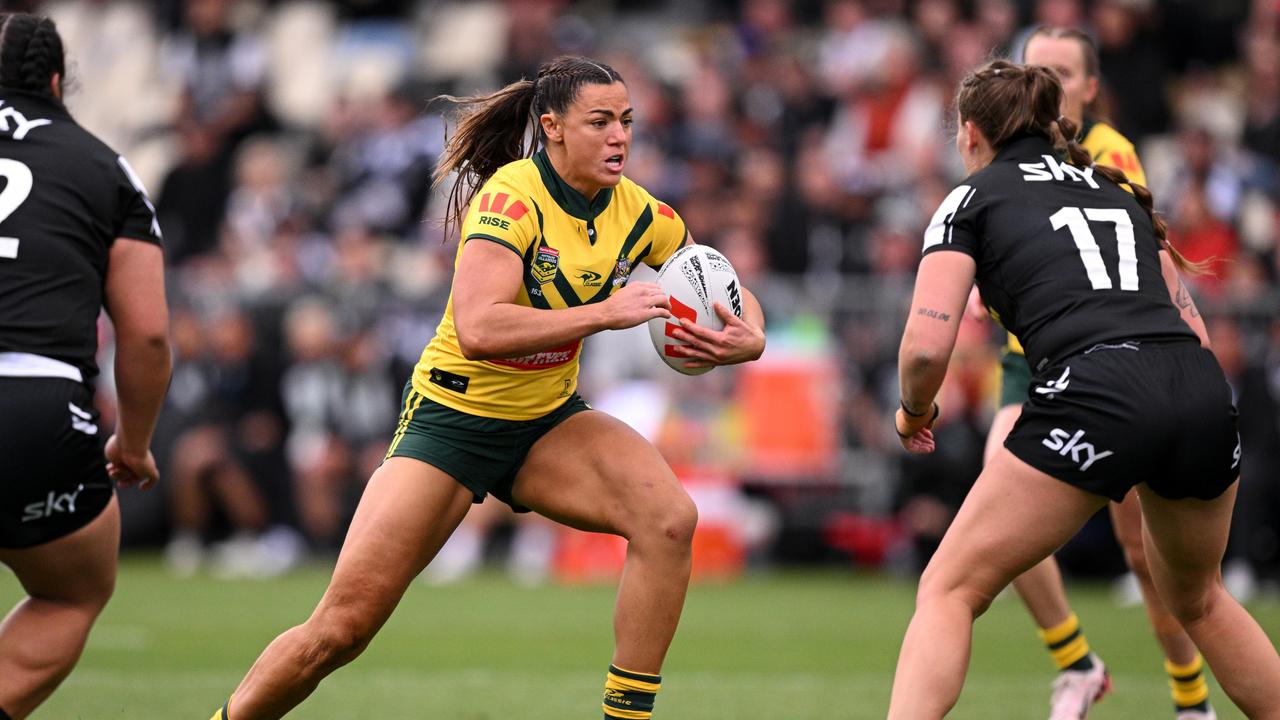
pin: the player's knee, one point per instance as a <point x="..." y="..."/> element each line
<point x="670" y="522"/>
<point x="935" y="588"/>
<point x="335" y="639"/>
<point x="1192" y="606"/>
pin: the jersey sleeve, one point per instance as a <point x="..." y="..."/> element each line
<point x="502" y="213"/>
<point x="669" y="234"/>
<point x="136" y="219"/>
<point x="956" y="223"/>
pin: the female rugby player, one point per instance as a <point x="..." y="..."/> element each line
<point x="77" y="233"/>
<point x="1080" y="271"/>
<point x="1082" y="677"/>
<point x="548" y="243"/>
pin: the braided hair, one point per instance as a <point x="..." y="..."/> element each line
<point x="495" y="129"/>
<point x="30" y="53"/>
<point x="1007" y="101"/>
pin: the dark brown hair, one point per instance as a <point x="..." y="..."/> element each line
<point x="1007" y="101"/>
<point x="1097" y="108"/>
<point x="503" y="126"/>
<point x="30" y="53"/>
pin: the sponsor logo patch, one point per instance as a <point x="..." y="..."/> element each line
<point x="545" y="264"/>
<point x="590" y="278"/>
<point x="622" y="271"/>
<point x="1082" y="453"/>
<point x="542" y="359"/>
<point x="53" y="503"/>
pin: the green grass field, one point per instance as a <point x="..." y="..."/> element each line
<point x="778" y="646"/>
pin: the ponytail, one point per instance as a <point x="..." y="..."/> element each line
<point x="491" y="133"/>
<point x="1078" y="156"/>
<point x="31" y="53"/>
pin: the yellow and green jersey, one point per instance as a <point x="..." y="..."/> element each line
<point x="1107" y="147"/>
<point x="575" y="252"/>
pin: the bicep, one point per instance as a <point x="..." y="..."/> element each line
<point x="488" y="273"/>
<point x="134" y="288"/>
<point x="937" y="304"/>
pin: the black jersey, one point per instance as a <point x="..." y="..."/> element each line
<point x="66" y="198"/>
<point x="1065" y="258"/>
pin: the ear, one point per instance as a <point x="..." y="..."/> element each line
<point x="1090" y="89"/>
<point x="55" y="85"/>
<point x="552" y="129"/>
<point x="972" y="135"/>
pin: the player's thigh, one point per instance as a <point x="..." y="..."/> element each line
<point x="1001" y="424"/>
<point x="1187" y="538"/>
<point x="593" y="472"/>
<point x="77" y="568"/>
<point x="407" y="511"/>
<point x="1014" y="517"/>
<point x="1126" y="519"/>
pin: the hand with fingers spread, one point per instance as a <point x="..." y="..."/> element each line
<point x="129" y="468"/>
<point x="915" y="430"/>
<point x="738" y="342"/>
<point x="634" y="304"/>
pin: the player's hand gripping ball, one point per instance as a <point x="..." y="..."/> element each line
<point x="694" y="277"/>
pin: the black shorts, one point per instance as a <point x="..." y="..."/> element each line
<point x="1127" y="413"/>
<point x="53" y="477"/>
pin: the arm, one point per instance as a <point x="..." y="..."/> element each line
<point x="942" y="289"/>
<point x="136" y="302"/>
<point x="1181" y="298"/>
<point x="491" y="325"/>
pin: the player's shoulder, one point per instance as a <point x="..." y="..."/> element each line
<point x="1101" y="137"/>
<point x="634" y="196"/>
<point x="519" y="175"/>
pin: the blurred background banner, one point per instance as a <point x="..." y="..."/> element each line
<point x="289" y="146"/>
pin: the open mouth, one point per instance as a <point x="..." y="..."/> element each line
<point x="614" y="163"/>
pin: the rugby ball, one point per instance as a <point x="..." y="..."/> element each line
<point x="694" y="277"/>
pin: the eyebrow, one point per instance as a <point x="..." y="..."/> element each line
<point x="609" y="113"/>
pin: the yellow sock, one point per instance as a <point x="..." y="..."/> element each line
<point x="1187" y="682"/>
<point x="1065" y="642"/>
<point x="629" y="695"/>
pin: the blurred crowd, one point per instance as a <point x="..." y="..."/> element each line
<point x="290" y="145"/>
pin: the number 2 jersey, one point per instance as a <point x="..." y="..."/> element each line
<point x="1065" y="258"/>
<point x="66" y="198"/>
<point x="574" y="251"/>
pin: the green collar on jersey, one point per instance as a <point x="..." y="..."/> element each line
<point x="568" y="198"/>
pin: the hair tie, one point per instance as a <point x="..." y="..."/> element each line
<point x="1060" y="119"/>
<point x="997" y="71"/>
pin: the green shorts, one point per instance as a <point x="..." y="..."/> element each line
<point x="484" y="454"/>
<point x="1015" y="378"/>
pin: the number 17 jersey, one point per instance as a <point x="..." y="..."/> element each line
<point x="1065" y="258"/>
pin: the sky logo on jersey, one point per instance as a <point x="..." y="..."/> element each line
<point x="1064" y="442"/>
<point x="53" y="503"/>
<point x="1051" y="169"/>
<point x="499" y="206"/>
<point x="22" y="125"/>
<point x="545" y="264"/>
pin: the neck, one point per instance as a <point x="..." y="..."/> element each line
<point x="560" y="162"/>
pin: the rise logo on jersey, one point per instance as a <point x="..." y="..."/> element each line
<point x="1064" y="442"/>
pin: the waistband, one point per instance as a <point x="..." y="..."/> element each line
<point x="19" y="364"/>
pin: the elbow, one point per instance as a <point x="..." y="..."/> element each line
<point x="920" y="360"/>
<point x="474" y="344"/>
